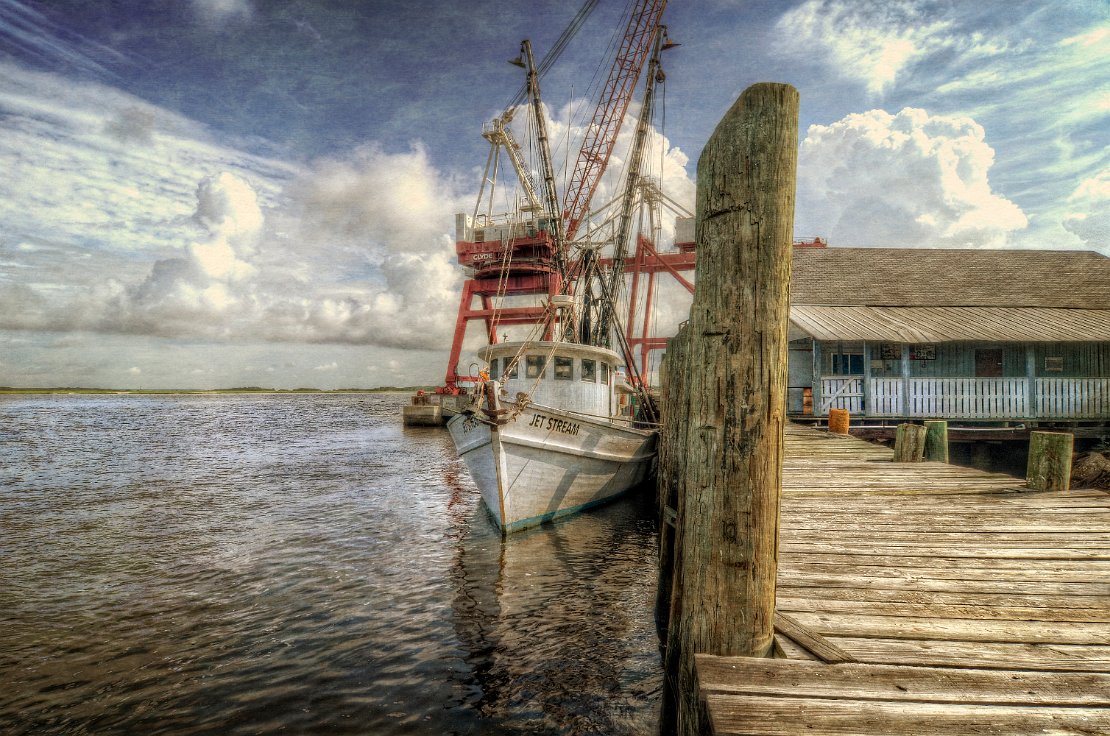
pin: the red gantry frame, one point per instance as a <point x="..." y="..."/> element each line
<point x="530" y="272"/>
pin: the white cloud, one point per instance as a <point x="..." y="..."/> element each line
<point x="179" y="236"/>
<point x="327" y="366"/>
<point x="248" y="281"/>
<point x="215" y="12"/>
<point x="90" y="168"/>
<point x="1088" y="212"/>
<point x="132" y="125"/>
<point x="134" y="370"/>
<point x="872" y="41"/>
<point x="182" y="238"/>
<point x="1091" y="41"/>
<point x="908" y="179"/>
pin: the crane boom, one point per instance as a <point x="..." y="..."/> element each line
<point x="498" y="133"/>
<point x="631" y="185"/>
<point x="601" y="134"/>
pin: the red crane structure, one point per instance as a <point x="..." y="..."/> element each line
<point x="601" y="134"/>
<point x="527" y="253"/>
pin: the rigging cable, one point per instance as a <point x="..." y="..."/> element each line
<point x="556" y="51"/>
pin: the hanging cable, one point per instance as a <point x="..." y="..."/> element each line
<point x="556" y="51"/>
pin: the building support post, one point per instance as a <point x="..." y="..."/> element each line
<point x="936" y="440"/>
<point x="818" y="397"/>
<point x="865" y="401"/>
<point x="1031" y="410"/>
<point x="905" y="380"/>
<point x="1049" y="467"/>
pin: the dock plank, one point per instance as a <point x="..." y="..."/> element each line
<point x="748" y="675"/>
<point x="978" y="654"/>
<point x="945" y="628"/>
<point x="945" y="600"/>
<point x="770" y="716"/>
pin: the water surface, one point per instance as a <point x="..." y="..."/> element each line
<point x="299" y="564"/>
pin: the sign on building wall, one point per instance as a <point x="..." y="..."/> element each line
<point x="890" y="351"/>
<point x="926" y="351"/>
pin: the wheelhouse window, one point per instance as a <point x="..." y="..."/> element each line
<point x="564" y="368"/>
<point x="589" y="370"/>
<point x="604" y="372"/>
<point x="510" y="369"/>
<point x="493" y="369"/>
<point x="535" y="366"/>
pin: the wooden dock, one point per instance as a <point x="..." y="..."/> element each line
<point x="925" y="598"/>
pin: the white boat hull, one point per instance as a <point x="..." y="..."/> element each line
<point x="546" y="463"/>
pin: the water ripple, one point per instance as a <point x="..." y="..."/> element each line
<point x="299" y="563"/>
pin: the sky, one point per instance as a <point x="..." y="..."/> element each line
<point x="217" y="193"/>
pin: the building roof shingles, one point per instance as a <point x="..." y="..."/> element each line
<point x="935" y="295"/>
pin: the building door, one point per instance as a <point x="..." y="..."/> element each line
<point x="988" y="363"/>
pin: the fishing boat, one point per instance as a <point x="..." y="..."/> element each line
<point x="554" y="434"/>
<point x="433" y="409"/>
<point x="564" y="419"/>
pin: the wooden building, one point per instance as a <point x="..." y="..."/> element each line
<point x="975" y="335"/>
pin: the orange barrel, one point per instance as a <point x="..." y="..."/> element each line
<point x="838" y="421"/>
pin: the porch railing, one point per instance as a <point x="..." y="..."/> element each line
<point x="978" y="398"/>
<point x="1074" y="398"/>
<point x="969" y="398"/>
<point x="842" y="393"/>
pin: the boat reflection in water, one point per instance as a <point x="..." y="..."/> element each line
<point x="556" y="622"/>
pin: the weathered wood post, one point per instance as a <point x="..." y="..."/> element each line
<point x="726" y="553"/>
<point x="936" y="440"/>
<point x="909" y="443"/>
<point x="672" y="463"/>
<point x="1049" y="467"/>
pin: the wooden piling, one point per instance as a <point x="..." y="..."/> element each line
<point x="728" y="470"/>
<point x="1049" y="467"/>
<point x="671" y="464"/>
<point x="936" y="440"/>
<point x="909" y="443"/>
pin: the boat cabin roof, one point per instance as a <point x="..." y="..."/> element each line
<point x="544" y="347"/>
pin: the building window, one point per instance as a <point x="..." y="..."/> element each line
<point x="493" y="369"/>
<point x="564" y="369"/>
<point x="846" y="364"/>
<point x="1054" y="364"/>
<point x="604" y="372"/>
<point x="535" y="366"/>
<point x="589" y="370"/>
<point x="510" y="370"/>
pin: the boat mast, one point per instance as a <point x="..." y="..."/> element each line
<point x="551" y="200"/>
<point x="540" y="262"/>
<point x="612" y="281"/>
